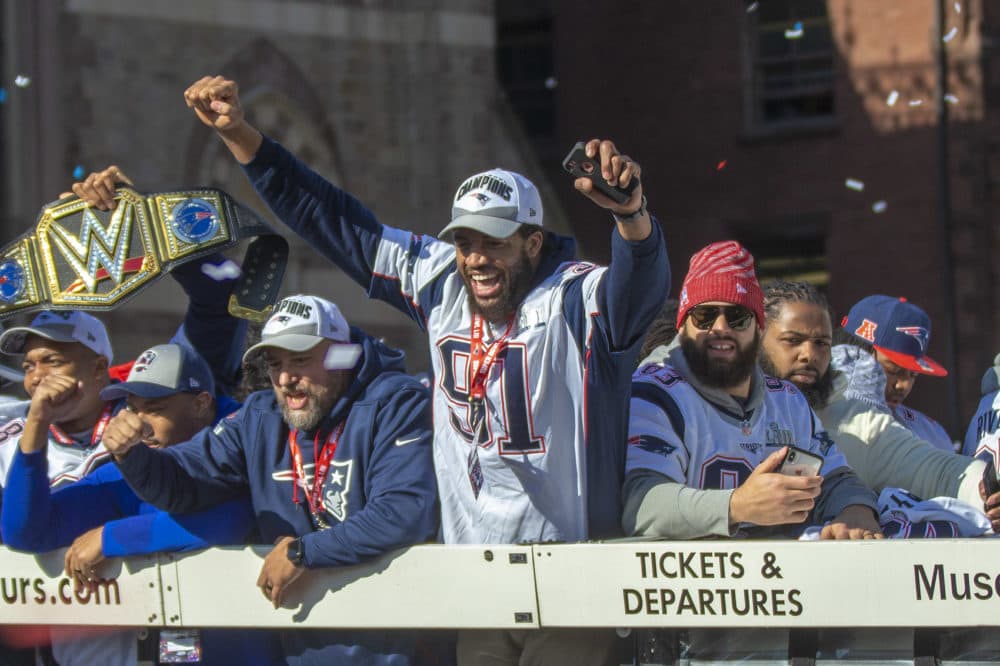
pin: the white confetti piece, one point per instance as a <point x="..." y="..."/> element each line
<point x="951" y="99"/>
<point x="958" y="8"/>
<point x="893" y="97"/>
<point x="854" y="184"/>
<point x="795" y="32"/>
<point x="22" y="81"/>
<point x="551" y="82"/>
<point x="752" y="7"/>
<point x="915" y="102"/>
<point x="951" y="35"/>
<point x="227" y="270"/>
<point x="879" y="206"/>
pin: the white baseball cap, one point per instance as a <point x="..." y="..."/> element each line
<point x="300" y="323"/>
<point x="164" y="370"/>
<point x="495" y="203"/>
<point x="60" y="326"/>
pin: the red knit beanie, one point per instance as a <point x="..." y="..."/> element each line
<point x="722" y="272"/>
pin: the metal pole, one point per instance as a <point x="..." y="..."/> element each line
<point x="944" y="218"/>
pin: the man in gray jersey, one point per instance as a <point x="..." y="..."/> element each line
<point x="846" y="386"/>
<point x="708" y="431"/>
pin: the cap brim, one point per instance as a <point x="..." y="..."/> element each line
<point x="12" y="340"/>
<point x="924" y="365"/>
<point x="289" y="341"/>
<point x="497" y="227"/>
<point x="141" y="389"/>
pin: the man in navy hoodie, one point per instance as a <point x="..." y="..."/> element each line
<point x="337" y="460"/>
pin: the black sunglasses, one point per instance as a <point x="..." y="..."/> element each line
<point x="703" y="317"/>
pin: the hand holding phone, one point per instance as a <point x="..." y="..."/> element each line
<point x="799" y="462"/>
<point x="578" y="165"/>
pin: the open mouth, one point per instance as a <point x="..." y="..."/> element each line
<point x="296" y="401"/>
<point x="722" y="348"/>
<point x="485" y="285"/>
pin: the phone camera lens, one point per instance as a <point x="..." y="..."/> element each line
<point x="588" y="167"/>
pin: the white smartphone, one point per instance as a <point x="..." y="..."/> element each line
<point x="799" y="462"/>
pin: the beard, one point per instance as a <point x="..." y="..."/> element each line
<point x="514" y="287"/>
<point x="816" y="393"/>
<point x="318" y="403"/>
<point x="720" y="374"/>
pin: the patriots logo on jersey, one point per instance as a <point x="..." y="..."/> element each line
<point x="919" y="333"/>
<point x="825" y="443"/>
<point x="337" y="487"/>
<point x="652" y="444"/>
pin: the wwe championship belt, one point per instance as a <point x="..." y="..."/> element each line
<point x="78" y="257"/>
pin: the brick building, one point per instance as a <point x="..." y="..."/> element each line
<point x="747" y="132"/>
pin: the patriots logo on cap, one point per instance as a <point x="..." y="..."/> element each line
<point x="740" y="289"/>
<point x="144" y="360"/>
<point x="282" y="319"/>
<point x="921" y="334"/>
<point x="480" y="197"/>
<point x="684" y="297"/>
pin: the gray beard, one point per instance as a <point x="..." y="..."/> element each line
<point x="302" y="420"/>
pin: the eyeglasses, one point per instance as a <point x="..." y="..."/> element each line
<point x="703" y="317"/>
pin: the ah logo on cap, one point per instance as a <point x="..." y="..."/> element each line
<point x="921" y="334"/>
<point x="866" y="330"/>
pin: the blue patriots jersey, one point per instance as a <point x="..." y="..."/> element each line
<point x="675" y="432"/>
<point x="548" y="461"/>
<point x="924" y="427"/>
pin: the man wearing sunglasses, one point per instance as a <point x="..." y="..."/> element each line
<point x="708" y="431"/>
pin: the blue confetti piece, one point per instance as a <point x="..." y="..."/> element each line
<point x="78" y="172"/>
<point x="3" y="95"/>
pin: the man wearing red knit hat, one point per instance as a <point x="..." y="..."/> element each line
<point x="708" y="431"/>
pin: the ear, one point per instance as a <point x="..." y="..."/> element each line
<point x="533" y="244"/>
<point x="203" y="405"/>
<point x="101" y="366"/>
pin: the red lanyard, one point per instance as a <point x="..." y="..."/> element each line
<point x="102" y="422"/>
<point x="321" y="458"/>
<point x="482" y="359"/>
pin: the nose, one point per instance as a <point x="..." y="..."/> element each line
<point x="720" y="324"/>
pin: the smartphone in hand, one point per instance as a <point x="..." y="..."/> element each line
<point x="578" y="165"/>
<point x="799" y="462"/>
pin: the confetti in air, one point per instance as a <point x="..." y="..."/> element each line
<point x="915" y="102"/>
<point x="227" y="270"/>
<point x="78" y="172"/>
<point x="893" y="96"/>
<point x="795" y="32"/>
<point x="721" y="165"/>
<point x="752" y="7"/>
<point x="951" y="35"/>
<point x="879" y="206"/>
<point x="951" y="99"/>
<point x="551" y="83"/>
<point x="958" y="8"/>
<point x="854" y="184"/>
<point x="22" y="81"/>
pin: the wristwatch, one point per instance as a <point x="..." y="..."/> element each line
<point x="296" y="552"/>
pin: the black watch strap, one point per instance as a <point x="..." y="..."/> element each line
<point x="296" y="551"/>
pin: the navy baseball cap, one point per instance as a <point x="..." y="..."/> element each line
<point x="164" y="370"/>
<point x="898" y="329"/>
